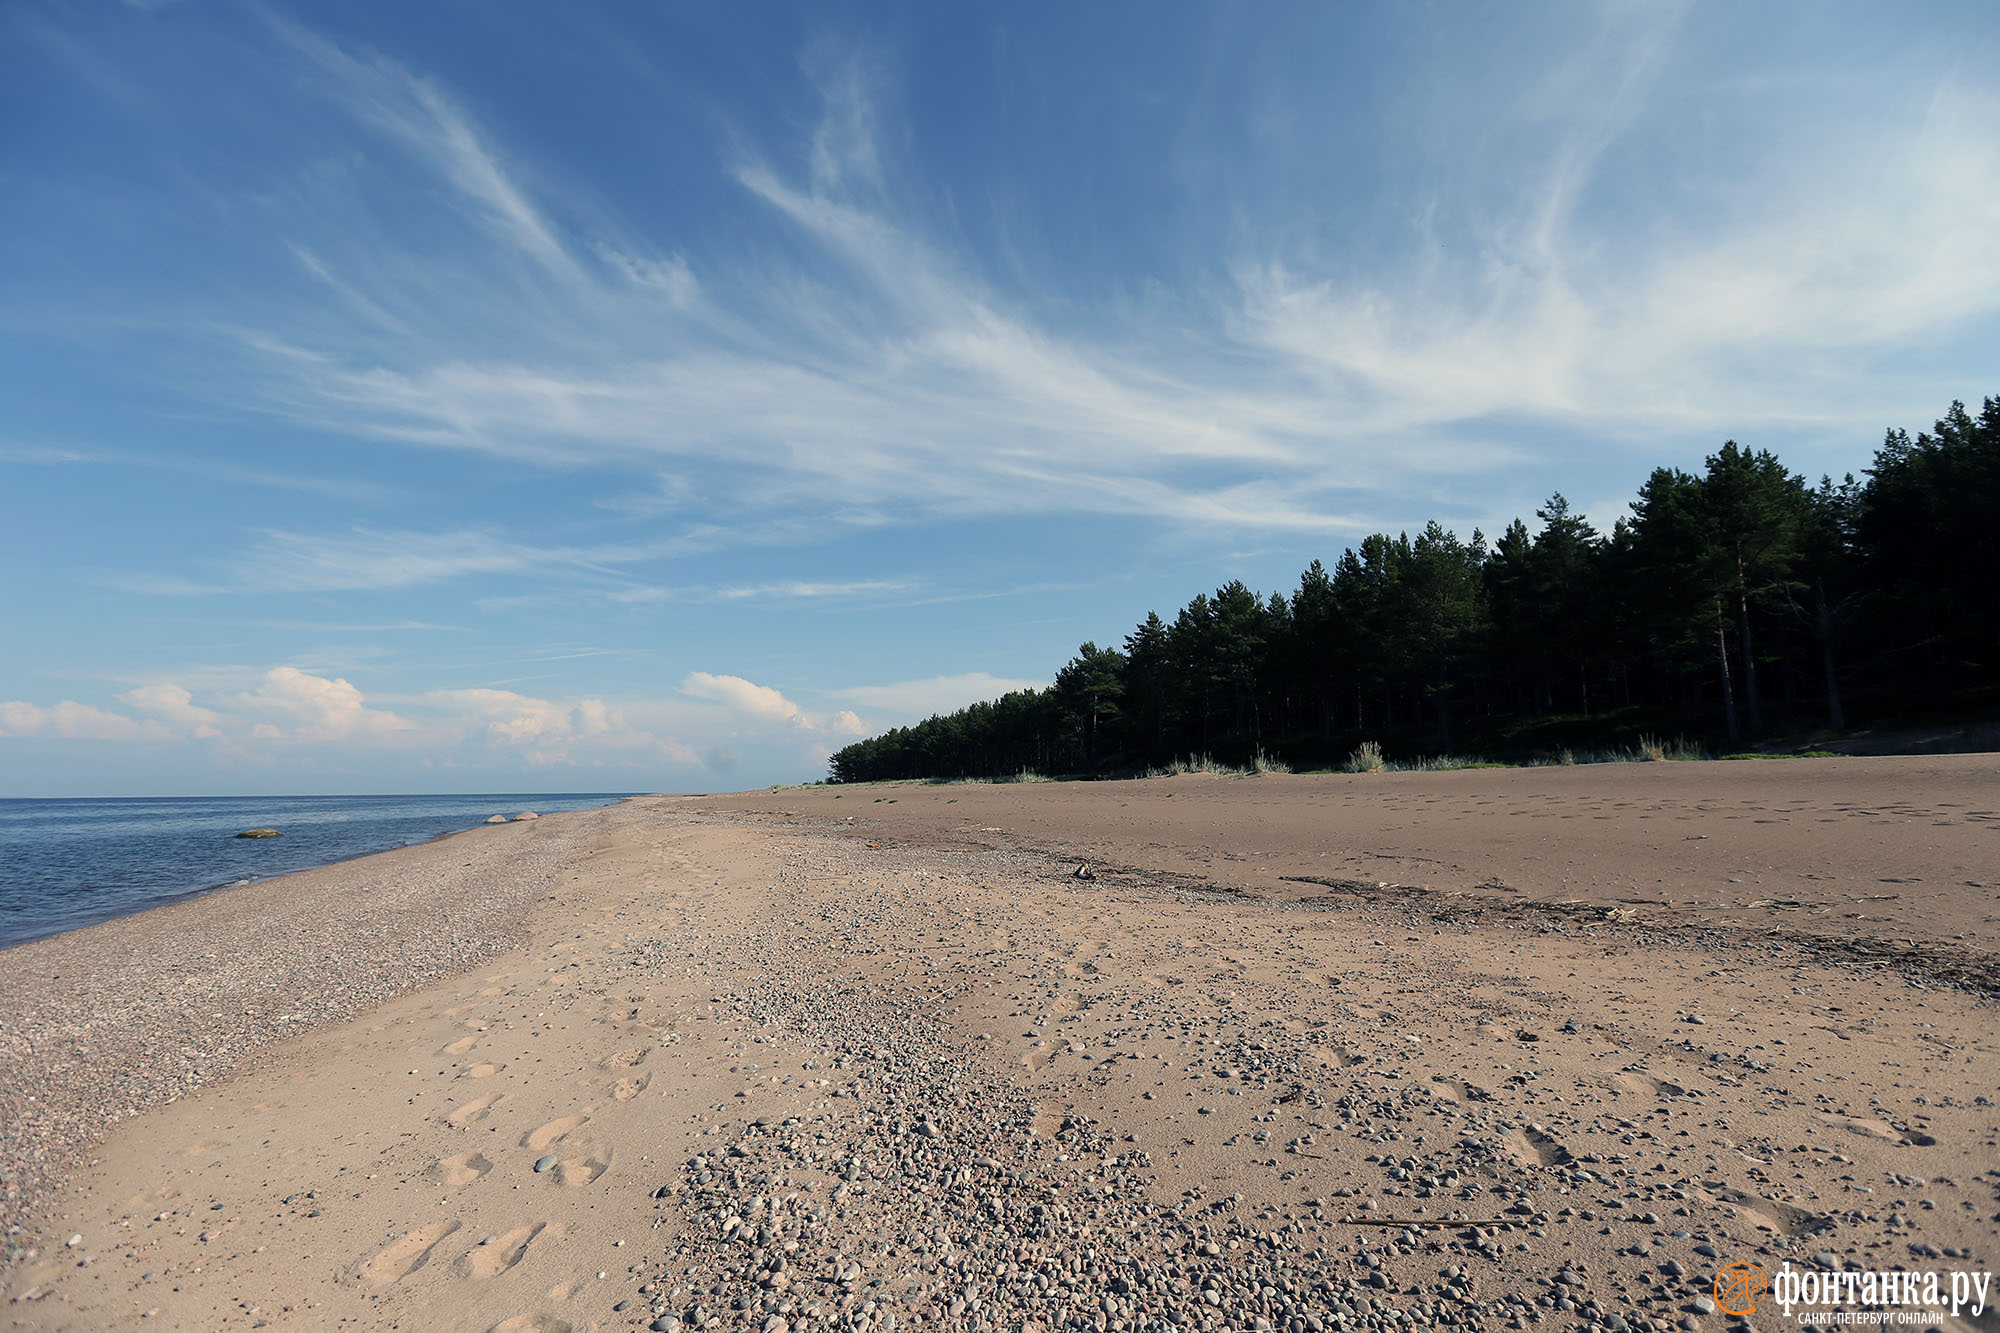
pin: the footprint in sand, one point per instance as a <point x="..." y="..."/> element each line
<point x="1644" y="1083"/>
<point x="460" y="1047"/>
<point x="461" y="1169"/>
<point x="625" y="1059"/>
<point x="485" y="1069"/>
<point x="625" y="1089"/>
<point x="410" y="1252"/>
<point x="476" y="1109"/>
<point x="531" y="1323"/>
<point x="1534" y="1147"/>
<point x="1338" y="1057"/>
<point x="1770" y="1215"/>
<point x="1459" y="1090"/>
<point x="553" y="1132"/>
<point x="1875" y="1129"/>
<point x="501" y="1253"/>
<point x="580" y="1171"/>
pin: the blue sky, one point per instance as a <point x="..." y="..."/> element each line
<point x="464" y="396"/>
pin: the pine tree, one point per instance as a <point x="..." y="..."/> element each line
<point x="1755" y="512"/>
<point x="1148" y="683"/>
<point x="1090" y="688"/>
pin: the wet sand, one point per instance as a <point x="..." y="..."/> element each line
<point x="878" y="1056"/>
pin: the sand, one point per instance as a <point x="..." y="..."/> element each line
<point x="879" y="1056"/>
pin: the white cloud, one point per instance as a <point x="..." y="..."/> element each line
<point x="375" y="558"/>
<point x="363" y="558"/>
<point x="419" y="114"/>
<point x="1783" y="291"/>
<point x="319" y="708"/>
<point x="918" y="388"/>
<point x="296" y="709"/>
<point x="741" y="695"/>
<point x="670" y="277"/>
<point x="176" y="707"/>
<point x="915" y="699"/>
<point x="545" y="732"/>
<point x="69" y="720"/>
<point x="801" y="590"/>
<point x="876" y="369"/>
<point x="749" y="699"/>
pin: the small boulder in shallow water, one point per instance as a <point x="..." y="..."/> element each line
<point x="526" y="814"/>
<point x="260" y="833"/>
<point x="496" y="819"/>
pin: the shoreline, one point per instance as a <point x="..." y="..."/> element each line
<point x="232" y="971"/>
<point x="205" y="890"/>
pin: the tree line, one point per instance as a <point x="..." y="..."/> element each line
<point x="1730" y="604"/>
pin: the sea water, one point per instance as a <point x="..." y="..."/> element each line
<point x="70" y="863"/>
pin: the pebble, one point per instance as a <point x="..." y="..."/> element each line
<point x="545" y="1163"/>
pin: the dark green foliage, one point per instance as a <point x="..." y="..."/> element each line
<point x="1734" y="602"/>
<point x="1089" y="689"/>
<point x="1928" y="520"/>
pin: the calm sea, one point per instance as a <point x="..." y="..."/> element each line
<point x="65" y="864"/>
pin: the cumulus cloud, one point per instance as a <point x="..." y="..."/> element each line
<point x="175" y="706"/>
<point x="750" y="699"/>
<point x="546" y="732"/>
<point x="69" y="720"/>
<point x="318" y="708"/>
<point x="741" y="695"/>
<point x="290" y="708"/>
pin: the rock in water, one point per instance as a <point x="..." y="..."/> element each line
<point x="526" y="814"/>
<point x="260" y="833"/>
<point x="496" y="819"/>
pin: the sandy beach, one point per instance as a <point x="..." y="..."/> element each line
<point x="1497" y="1048"/>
